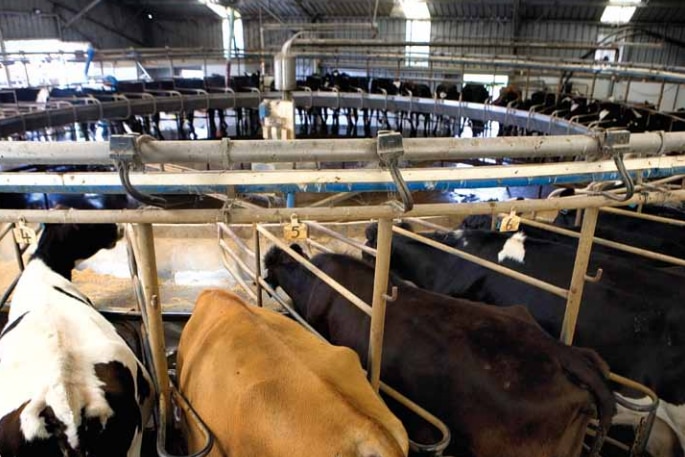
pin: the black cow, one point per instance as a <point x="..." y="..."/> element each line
<point x="653" y="236"/>
<point x="479" y="368"/>
<point x="632" y="317"/>
<point x="475" y="93"/>
<point x="414" y="89"/>
<point x="384" y="86"/>
<point x="445" y="91"/>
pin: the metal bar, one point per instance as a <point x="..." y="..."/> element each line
<point x="333" y="199"/>
<point x="81" y="13"/>
<point x="229" y="231"/>
<point x="611" y="244"/>
<point x="437" y="227"/>
<point x="441" y="179"/>
<point x="380" y="290"/>
<point x="219" y="153"/>
<point x="147" y="267"/>
<point x="575" y="292"/>
<point x="647" y="217"/>
<point x="319" y="246"/>
<point x="277" y="215"/>
<point x="258" y="263"/>
<point x="344" y="239"/>
<point x="485" y="263"/>
<point x="233" y="271"/>
<point x="18" y="253"/>
<point x="356" y="301"/>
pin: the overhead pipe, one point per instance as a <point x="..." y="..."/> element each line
<point x="338" y="213"/>
<point x="221" y="153"/>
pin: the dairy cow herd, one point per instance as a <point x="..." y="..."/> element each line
<point x="476" y="348"/>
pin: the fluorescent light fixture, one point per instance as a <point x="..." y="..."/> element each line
<point x="619" y="11"/>
<point x="415" y="9"/>
<point x="220" y="10"/>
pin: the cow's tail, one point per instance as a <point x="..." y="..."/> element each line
<point x="592" y="373"/>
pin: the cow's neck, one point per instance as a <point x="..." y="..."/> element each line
<point x="297" y="283"/>
<point x="59" y="263"/>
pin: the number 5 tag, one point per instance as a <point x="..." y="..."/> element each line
<point x="296" y="230"/>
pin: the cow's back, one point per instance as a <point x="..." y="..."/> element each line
<point x="265" y="386"/>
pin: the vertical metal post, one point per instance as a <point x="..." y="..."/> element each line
<point x="675" y="98"/>
<point x="147" y="267"/>
<point x="380" y="290"/>
<point x="625" y="96"/>
<point x="527" y="91"/>
<point x="17" y="252"/>
<point x="575" y="292"/>
<point x="3" y="49"/>
<point x="591" y="95"/>
<point x="258" y="264"/>
<point x="661" y="95"/>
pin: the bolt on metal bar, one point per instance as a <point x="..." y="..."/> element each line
<point x="611" y="244"/>
<point x="575" y="292"/>
<point x="380" y="290"/>
<point x="485" y="263"/>
<point x="358" y="302"/>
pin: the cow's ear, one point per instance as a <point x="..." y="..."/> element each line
<point x="372" y="233"/>
<point x="297" y="248"/>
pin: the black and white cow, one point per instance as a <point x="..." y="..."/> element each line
<point x="70" y="384"/>
<point x="633" y="317"/>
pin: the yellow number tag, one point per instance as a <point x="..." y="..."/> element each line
<point x="24" y="234"/>
<point x="510" y="223"/>
<point x="295" y="230"/>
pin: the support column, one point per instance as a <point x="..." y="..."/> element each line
<point x="575" y="293"/>
<point x="380" y="290"/>
<point x="147" y="269"/>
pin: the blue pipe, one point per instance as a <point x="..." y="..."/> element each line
<point x="290" y="189"/>
<point x="290" y="200"/>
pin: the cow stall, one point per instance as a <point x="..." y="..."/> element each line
<point x="233" y="213"/>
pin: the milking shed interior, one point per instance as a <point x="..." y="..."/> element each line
<point x="218" y="130"/>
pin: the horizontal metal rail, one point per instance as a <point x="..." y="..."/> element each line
<point x="338" y="180"/>
<point x="126" y="107"/>
<point x="339" y="237"/>
<point x="551" y="288"/>
<point x="223" y="153"/>
<point x="335" y="285"/>
<point x="608" y="243"/>
<point x="338" y="213"/>
<point x="647" y="217"/>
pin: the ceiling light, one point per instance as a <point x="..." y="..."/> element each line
<point x="619" y="11"/>
<point x="149" y="15"/>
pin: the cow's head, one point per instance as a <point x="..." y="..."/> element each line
<point x="62" y="246"/>
<point x="276" y="258"/>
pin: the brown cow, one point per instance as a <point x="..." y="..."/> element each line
<point x="267" y="387"/>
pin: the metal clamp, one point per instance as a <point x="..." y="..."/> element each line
<point x="614" y="143"/>
<point x="389" y="149"/>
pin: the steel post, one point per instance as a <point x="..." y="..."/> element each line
<point x="380" y="295"/>
<point x="147" y="267"/>
<point x="575" y="292"/>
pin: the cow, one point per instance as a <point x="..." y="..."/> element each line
<point x="445" y="91"/>
<point x="265" y="386"/>
<point x="475" y="93"/>
<point x="70" y="384"/>
<point x="480" y="369"/>
<point x="631" y="317"/>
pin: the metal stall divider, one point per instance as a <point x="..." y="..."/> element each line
<point x="435" y="448"/>
<point x="140" y="246"/>
<point x="643" y="433"/>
